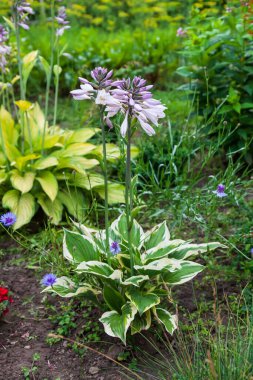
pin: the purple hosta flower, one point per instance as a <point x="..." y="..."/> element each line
<point x="23" y="10"/>
<point x="97" y="90"/>
<point x="49" y="279"/>
<point x="136" y="101"/>
<point x="115" y="248"/>
<point x="4" y="49"/>
<point x="3" y="34"/>
<point x="181" y="32"/>
<point x="220" y="192"/>
<point x="61" y="18"/>
<point x="8" y="219"/>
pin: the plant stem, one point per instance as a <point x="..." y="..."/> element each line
<point x="56" y="86"/>
<point x="105" y="181"/>
<point x="49" y="76"/>
<point x="128" y="194"/>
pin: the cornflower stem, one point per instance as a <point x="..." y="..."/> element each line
<point x="105" y="172"/>
<point x="56" y="85"/>
<point x="49" y="76"/>
<point x="128" y="193"/>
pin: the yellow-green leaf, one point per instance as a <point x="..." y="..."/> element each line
<point x="116" y="192"/>
<point x="82" y="135"/>
<point x="23" y="183"/>
<point x="45" y="162"/>
<point x="48" y="183"/>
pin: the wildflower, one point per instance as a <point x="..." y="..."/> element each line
<point x="181" y="32"/>
<point x="4" y="49"/>
<point x="220" y="192"/>
<point x="49" y="279"/>
<point x="115" y="248"/>
<point x="61" y="19"/>
<point x="251" y="252"/>
<point x="23" y="9"/>
<point x="136" y="101"/>
<point x="8" y="219"/>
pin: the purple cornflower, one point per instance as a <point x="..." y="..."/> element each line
<point x="136" y="101"/>
<point x="181" y="32"/>
<point x="220" y="192"/>
<point x="251" y="252"/>
<point x="49" y="279"/>
<point x="8" y="219"/>
<point x="23" y="9"/>
<point x="61" y="19"/>
<point x="115" y="248"/>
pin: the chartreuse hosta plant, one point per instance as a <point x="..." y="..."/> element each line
<point x="30" y="179"/>
<point x="132" y="299"/>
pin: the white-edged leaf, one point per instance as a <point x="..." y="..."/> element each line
<point x="95" y="267"/>
<point x="169" y="321"/>
<point x="79" y="248"/>
<point x="187" y="250"/>
<point x="115" y="324"/>
<point x="159" y="234"/>
<point x="142" y="300"/>
<point x="187" y="272"/>
<point x="135" y="280"/>
<point x="164" y="264"/>
<point x="161" y="250"/>
<point x="65" y="287"/>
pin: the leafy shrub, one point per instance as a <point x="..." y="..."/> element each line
<point x="219" y="69"/>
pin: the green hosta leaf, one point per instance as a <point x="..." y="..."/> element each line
<point x="187" y="272"/>
<point x="28" y="64"/>
<point x="113" y="152"/>
<point x="3" y="176"/>
<point x="115" y="324"/>
<point x="159" y="234"/>
<point x="135" y="280"/>
<point x="21" y="161"/>
<point x="116" y="192"/>
<point x="161" y="250"/>
<point x="22" y="205"/>
<point x="76" y="149"/>
<point x="95" y="267"/>
<point x="142" y="300"/>
<point x="187" y="250"/>
<point x="52" y="209"/>
<point x="87" y="182"/>
<point x="82" y="135"/>
<point x="79" y="248"/>
<point x="79" y="164"/>
<point x="23" y="183"/>
<point x="113" y="298"/>
<point x="153" y="268"/>
<point x="45" y="162"/>
<point x="65" y="287"/>
<point x="168" y="320"/>
<point x="74" y="201"/>
<point x="12" y="154"/>
<point x="141" y="322"/>
<point x="48" y="183"/>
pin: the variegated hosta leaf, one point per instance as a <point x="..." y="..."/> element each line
<point x="84" y="230"/>
<point x="22" y="205"/>
<point x="119" y="230"/>
<point x="95" y="267"/>
<point x="161" y="250"/>
<point x="142" y="300"/>
<point x="141" y="322"/>
<point x="168" y="320"/>
<point x="162" y="265"/>
<point x="187" y="250"/>
<point x="79" y="248"/>
<point x="135" y="280"/>
<point x="65" y="287"/>
<point x="156" y="236"/>
<point x="188" y="270"/>
<point x="23" y="183"/>
<point x="115" y="324"/>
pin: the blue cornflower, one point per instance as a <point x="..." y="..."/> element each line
<point x="8" y="219"/>
<point x="49" y="279"/>
<point x="220" y="192"/>
<point x="115" y="248"/>
<point x="251" y="252"/>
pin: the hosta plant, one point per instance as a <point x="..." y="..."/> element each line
<point x="132" y="299"/>
<point x="52" y="170"/>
